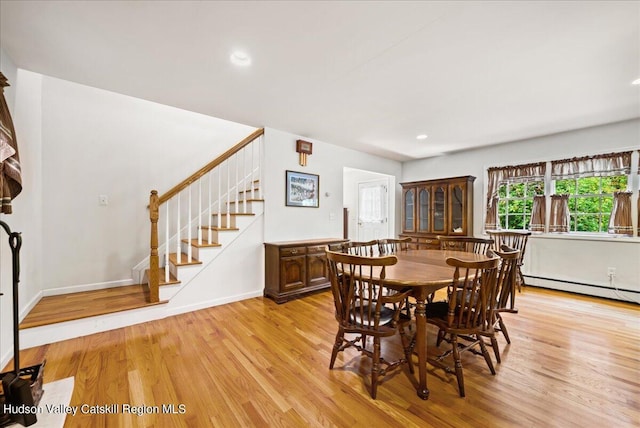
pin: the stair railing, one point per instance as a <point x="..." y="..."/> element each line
<point x="228" y="180"/>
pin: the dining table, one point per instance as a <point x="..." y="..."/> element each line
<point x="425" y="272"/>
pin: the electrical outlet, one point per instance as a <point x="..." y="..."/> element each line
<point x="611" y="272"/>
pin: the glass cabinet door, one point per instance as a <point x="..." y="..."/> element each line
<point x="409" y="205"/>
<point x="457" y="209"/>
<point x="439" y="209"/>
<point x="423" y="210"/>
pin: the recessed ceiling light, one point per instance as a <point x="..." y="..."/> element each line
<point x="636" y="82"/>
<point x="421" y="137"/>
<point x="240" y="58"/>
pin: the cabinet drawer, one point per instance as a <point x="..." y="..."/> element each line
<point x="318" y="249"/>
<point x="292" y="251"/>
<point x="429" y="241"/>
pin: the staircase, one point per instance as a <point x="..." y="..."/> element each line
<point x="192" y="225"/>
<point x="232" y="222"/>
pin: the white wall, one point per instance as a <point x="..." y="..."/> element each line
<point x="284" y="223"/>
<point x="96" y="142"/>
<point x="560" y="258"/>
<point x="6" y="337"/>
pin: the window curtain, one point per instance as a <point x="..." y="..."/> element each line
<point x="559" y="221"/>
<point x="592" y="166"/>
<point x="497" y="175"/>
<point x="10" y="170"/>
<point x="620" y="220"/>
<point x="538" y="212"/>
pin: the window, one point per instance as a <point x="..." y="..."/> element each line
<point x="515" y="203"/>
<point x="590" y="200"/>
<point x="587" y="194"/>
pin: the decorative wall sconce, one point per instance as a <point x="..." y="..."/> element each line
<point x="305" y="148"/>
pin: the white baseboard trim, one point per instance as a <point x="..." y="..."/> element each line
<point x="32" y="303"/>
<point x="87" y="287"/>
<point x="586" y="289"/>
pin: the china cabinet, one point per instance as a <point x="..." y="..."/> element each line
<point x="437" y="207"/>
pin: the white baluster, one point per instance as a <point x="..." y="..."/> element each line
<point x="253" y="170"/>
<point x="228" y="189"/>
<point x="210" y="208"/>
<point x="260" y="155"/>
<point x="189" y="226"/>
<point x="244" y="178"/>
<point x="166" y="246"/>
<point x="200" y="212"/>
<point x="237" y="193"/>
<point x="178" y="250"/>
<point x="218" y="220"/>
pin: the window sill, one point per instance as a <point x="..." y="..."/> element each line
<point x="586" y="237"/>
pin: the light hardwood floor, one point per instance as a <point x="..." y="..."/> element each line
<point x="573" y="362"/>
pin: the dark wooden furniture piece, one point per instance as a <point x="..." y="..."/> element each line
<point x="424" y="271"/>
<point x="505" y="295"/>
<point x="515" y="239"/>
<point x="368" y="248"/>
<point x="366" y="308"/>
<point x="465" y="243"/>
<point x="296" y="268"/>
<point x="467" y="313"/>
<point x="393" y="245"/>
<point x="437" y="207"/>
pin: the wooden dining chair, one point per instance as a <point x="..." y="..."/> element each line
<point x="516" y="239"/>
<point x="360" y="248"/>
<point x="468" y="244"/>
<point x="505" y="296"/>
<point x="467" y="313"/>
<point x="340" y="247"/>
<point x="393" y="245"/>
<point x="364" y="308"/>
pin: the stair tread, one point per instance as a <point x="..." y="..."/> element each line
<point x="248" y="200"/>
<point x="234" y="214"/>
<point x="205" y="244"/>
<point x="221" y="229"/>
<point x="172" y="279"/>
<point x="173" y="258"/>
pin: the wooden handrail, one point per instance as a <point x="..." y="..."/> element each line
<point x="154" y="213"/>
<point x="208" y="167"/>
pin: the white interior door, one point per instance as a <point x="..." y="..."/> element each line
<point x="373" y="210"/>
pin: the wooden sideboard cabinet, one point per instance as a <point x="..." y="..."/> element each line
<point x="437" y="207"/>
<point x="295" y="268"/>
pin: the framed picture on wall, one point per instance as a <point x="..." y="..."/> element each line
<point x="302" y="189"/>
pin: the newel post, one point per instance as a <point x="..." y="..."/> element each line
<point x="154" y="261"/>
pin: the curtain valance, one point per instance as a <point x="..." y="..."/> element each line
<point x="590" y="166"/>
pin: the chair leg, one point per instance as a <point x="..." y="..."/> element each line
<point x="375" y="367"/>
<point x="440" y="338"/>
<point x="521" y="283"/>
<point x="336" y="347"/>
<point x="458" y="364"/>
<point x="407" y="346"/>
<point x="485" y="354"/>
<point x="496" y="350"/>
<point x="503" y="329"/>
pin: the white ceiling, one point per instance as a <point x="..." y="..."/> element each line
<point x="366" y="75"/>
